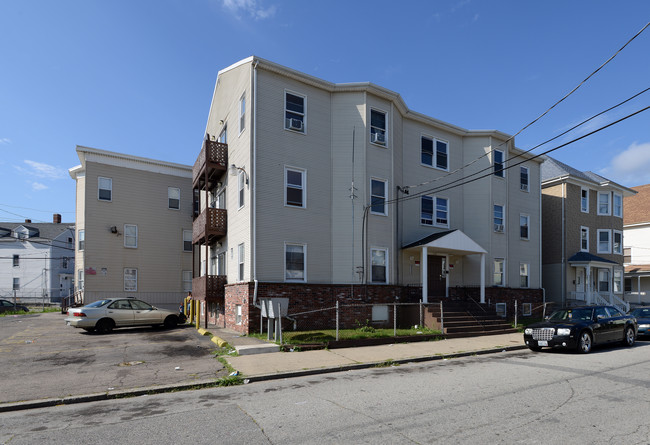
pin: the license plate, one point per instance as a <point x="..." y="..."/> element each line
<point x="542" y="343"/>
<point x="67" y="323"/>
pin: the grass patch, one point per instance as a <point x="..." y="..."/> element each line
<point x="386" y="364"/>
<point x="324" y="336"/>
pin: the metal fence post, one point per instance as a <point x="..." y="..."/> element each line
<point x="515" y="314"/>
<point x="421" y="321"/>
<point x="395" y="320"/>
<point x="442" y="320"/>
<point x="337" y="320"/>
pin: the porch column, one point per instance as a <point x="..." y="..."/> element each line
<point x="424" y="274"/>
<point x="588" y="284"/>
<point x="638" y="287"/>
<point x="482" y="278"/>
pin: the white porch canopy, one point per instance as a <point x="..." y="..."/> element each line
<point x="453" y="242"/>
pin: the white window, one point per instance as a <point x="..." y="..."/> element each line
<point x="603" y="280"/>
<point x="242" y="113"/>
<point x="378" y="189"/>
<point x="618" y="205"/>
<point x="527" y="309"/>
<point x="379" y="312"/>
<point x="174" y="198"/>
<point x="238" y="314"/>
<point x="438" y="158"/>
<point x="104" y="189"/>
<point x="295" y="262"/>
<point x="604" y="241"/>
<point x="501" y="309"/>
<point x="499" y="221"/>
<point x="618" y="242"/>
<point x="523" y="274"/>
<point x="294" y="112"/>
<point x="223" y="136"/>
<point x="221" y="263"/>
<point x="603" y="203"/>
<point x="379" y="265"/>
<point x="498" y="278"/>
<point x="584" y="200"/>
<point x="584" y="239"/>
<point x="16" y="260"/>
<point x="240" y="252"/>
<point x="377" y="127"/>
<point x="16" y="284"/>
<point x="241" y="181"/>
<point x="441" y="211"/>
<point x="187" y="240"/>
<point x="523" y="178"/>
<point x="130" y="280"/>
<point x="131" y="236"/>
<point x="618" y="281"/>
<point x="80" y="279"/>
<point x="82" y="239"/>
<point x="524" y="224"/>
<point x="187" y="281"/>
<point x="498" y="163"/>
<point x="295" y="187"/>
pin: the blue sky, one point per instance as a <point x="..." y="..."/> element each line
<point x="137" y="76"/>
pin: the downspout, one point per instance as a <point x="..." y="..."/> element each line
<point x="253" y="184"/>
<point x="562" y="280"/>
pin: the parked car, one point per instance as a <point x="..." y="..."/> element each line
<point x="104" y="315"/>
<point x="642" y="315"/>
<point x="581" y="328"/>
<point x="8" y="306"/>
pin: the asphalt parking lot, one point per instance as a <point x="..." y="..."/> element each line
<point x="44" y="358"/>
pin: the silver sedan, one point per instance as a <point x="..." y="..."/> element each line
<point x="103" y="316"/>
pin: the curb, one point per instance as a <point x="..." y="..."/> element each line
<point x="120" y="394"/>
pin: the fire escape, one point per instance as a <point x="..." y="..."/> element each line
<point x="209" y="223"/>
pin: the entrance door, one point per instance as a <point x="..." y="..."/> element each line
<point x="580" y="283"/>
<point x="436" y="276"/>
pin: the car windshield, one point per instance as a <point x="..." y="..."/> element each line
<point x="98" y="303"/>
<point x="643" y="312"/>
<point x="571" y="314"/>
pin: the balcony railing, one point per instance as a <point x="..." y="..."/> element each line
<point x="209" y="288"/>
<point x="210" y="224"/>
<point x="212" y="159"/>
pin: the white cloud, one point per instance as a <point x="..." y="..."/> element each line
<point x="41" y="170"/>
<point x="5" y="141"/>
<point x="253" y="8"/>
<point x="36" y="186"/>
<point x="631" y="166"/>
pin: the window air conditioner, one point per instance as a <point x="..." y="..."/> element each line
<point x="378" y="138"/>
<point x="498" y="227"/>
<point x="294" y="124"/>
<point x="523" y="187"/>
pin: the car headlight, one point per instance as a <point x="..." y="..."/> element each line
<point x="563" y="331"/>
<point x="528" y="331"/>
<point x="644" y="326"/>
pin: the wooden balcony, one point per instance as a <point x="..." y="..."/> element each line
<point x="210" y="165"/>
<point x="209" y="225"/>
<point x="209" y="288"/>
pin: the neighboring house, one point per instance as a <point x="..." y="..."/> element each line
<point x="134" y="228"/>
<point x="636" y="247"/>
<point x="582" y="229"/>
<point x="324" y="192"/>
<point x="36" y="260"/>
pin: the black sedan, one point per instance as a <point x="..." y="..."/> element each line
<point x="8" y="306"/>
<point x="581" y="328"/>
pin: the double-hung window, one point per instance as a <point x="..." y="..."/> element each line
<point x="187" y="240"/>
<point x="378" y="189"/>
<point x="441" y="211"/>
<point x="187" y="281"/>
<point x="604" y="241"/>
<point x="242" y="113"/>
<point x="584" y="239"/>
<point x="603" y="280"/>
<point x="618" y="205"/>
<point x="603" y="203"/>
<point x="584" y="200"/>
<point x="294" y="112"/>
<point x="379" y="265"/>
<point x="499" y="159"/>
<point x="498" y="277"/>
<point x="377" y="127"/>
<point x="16" y="260"/>
<point x="241" y="182"/>
<point x="295" y="187"/>
<point x="524" y="223"/>
<point x="438" y="158"/>
<point x="16" y="284"/>
<point x="240" y="260"/>
<point x="523" y="274"/>
<point x="104" y="189"/>
<point x="618" y="281"/>
<point x="130" y="279"/>
<point x="82" y="240"/>
<point x="523" y="178"/>
<point x="131" y="236"/>
<point x="618" y="242"/>
<point x="499" y="221"/>
<point x="295" y="262"/>
<point x="174" y="198"/>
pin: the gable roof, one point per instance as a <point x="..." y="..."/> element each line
<point x="449" y="240"/>
<point x="46" y="231"/>
<point x="637" y="207"/>
<point x="586" y="257"/>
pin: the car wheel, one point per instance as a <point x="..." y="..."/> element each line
<point x="104" y="326"/>
<point x="171" y="322"/>
<point x="585" y="342"/>
<point x="629" y="339"/>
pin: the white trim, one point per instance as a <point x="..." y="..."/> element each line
<point x="385" y="250"/>
<point x="241" y="260"/>
<point x="242" y="114"/>
<point x="136" y="279"/>
<point x="169" y="189"/>
<point x="614" y="196"/>
<point x="434" y="153"/>
<point x="609" y="203"/>
<point x="241" y="190"/>
<point x="304" y="263"/>
<point x="620" y="251"/>
<point x="434" y="216"/>
<point x="499" y="228"/>
<point x="135" y="236"/>
<point x="503" y="271"/>
<point x="609" y="241"/>
<point x="502" y="173"/>
<point x="379" y="144"/>
<point x="385" y="213"/>
<point x="190" y="240"/>
<point x="521" y="215"/>
<point x="303" y="175"/>
<point x="99" y="178"/>
<point x="88" y="154"/>
<point x="527" y="189"/>
<point x="584" y="189"/>
<point x="586" y="229"/>
<point x="522" y="263"/>
<point x="304" y="113"/>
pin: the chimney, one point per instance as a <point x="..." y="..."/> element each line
<point x="28" y="220"/>
<point x="56" y="218"/>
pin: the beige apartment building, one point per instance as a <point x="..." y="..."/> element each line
<point x="133" y="228"/>
<point x="323" y="192"/>
<point x="582" y="236"/>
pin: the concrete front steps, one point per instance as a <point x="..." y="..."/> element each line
<point x="461" y="319"/>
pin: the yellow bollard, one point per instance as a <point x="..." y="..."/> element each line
<point x="198" y="312"/>
<point x="191" y="311"/>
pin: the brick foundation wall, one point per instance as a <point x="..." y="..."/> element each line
<point x="508" y="295"/>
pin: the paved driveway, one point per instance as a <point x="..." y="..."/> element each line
<point x="41" y="357"/>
